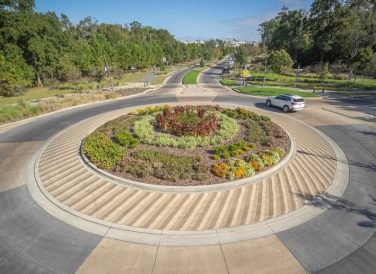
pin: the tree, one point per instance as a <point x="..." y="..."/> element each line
<point x="288" y="31"/>
<point x="18" y="5"/>
<point x="15" y="74"/>
<point x="280" y="61"/>
<point x="202" y="63"/>
<point x="40" y="48"/>
<point x="241" y="55"/>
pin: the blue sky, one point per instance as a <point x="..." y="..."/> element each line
<point x="188" y="20"/>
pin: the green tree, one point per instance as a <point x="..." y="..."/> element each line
<point x="280" y="61"/>
<point x="15" y="74"/>
<point x="241" y="55"/>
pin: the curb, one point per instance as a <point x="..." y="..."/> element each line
<point x="11" y="125"/>
<point x="184" y="238"/>
<point x="192" y="189"/>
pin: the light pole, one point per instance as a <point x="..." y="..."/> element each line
<point x="297" y="72"/>
<point x="133" y="70"/>
<point x="265" y="69"/>
<point x="107" y="71"/>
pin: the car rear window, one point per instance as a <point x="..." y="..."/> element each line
<point x="299" y="100"/>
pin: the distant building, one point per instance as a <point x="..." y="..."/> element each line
<point x="229" y="43"/>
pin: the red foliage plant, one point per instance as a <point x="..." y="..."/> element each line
<point x="187" y="121"/>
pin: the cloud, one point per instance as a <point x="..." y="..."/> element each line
<point x="246" y="28"/>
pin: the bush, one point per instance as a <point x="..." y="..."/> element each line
<point x="102" y="151"/>
<point x="126" y="139"/>
<point x="256" y="162"/>
<point x="255" y="132"/>
<point x="150" y="110"/>
<point x="170" y="167"/>
<point x="281" y="152"/>
<point x="145" y="131"/>
<point x="136" y="168"/>
<point x="121" y="124"/>
<point x="240" y="113"/>
<point x="232" y="169"/>
<point x="235" y="149"/>
<point x="187" y="121"/>
<point x="220" y="169"/>
<point x="275" y="157"/>
<point x="264" y="155"/>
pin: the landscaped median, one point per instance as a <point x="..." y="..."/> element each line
<point x="190" y="78"/>
<point x="187" y="145"/>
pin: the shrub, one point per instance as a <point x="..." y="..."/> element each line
<point x="216" y="157"/>
<point x="126" y="139"/>
<point x="102" y="151"/>
<point x="150" y="110"/>
<point x="170" y="167"/>
<point x="264" y="155"/>
<point x="226" y="155"/>
<point x="281" y="152"/>
<point x="136" y="168"/>
<point x="187" y="121"/>
<point x="240" y="113"/>
<point x="255" y="132"/>
<point x="220" y="169"/>
<point x="256" y="162"/>
<point x="232" y="169"/>
<point x="235" y="149"/>
<point x="144" y="129"/>
<point x="118" y="125"/>
<point x="275" y="157"/>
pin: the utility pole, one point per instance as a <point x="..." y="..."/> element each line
<point x="265" y="69"/>
<point x="297" y="72"/>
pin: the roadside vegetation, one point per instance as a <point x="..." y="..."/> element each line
<point x="187" y="145"/>
<point x="43" y="49"/>
<point x="270" y="91"/>
<point x="339" y="55"/>
<point x="43" y="55"/>
<point x="22" y="109"/>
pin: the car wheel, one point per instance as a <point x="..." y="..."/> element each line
<point x="268" y="103"/>
<point x="285" y="108"/>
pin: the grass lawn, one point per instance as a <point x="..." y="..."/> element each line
<point x="273" y="91"/>
<point x="229" y="82"/>
<point x="362" y="83"/>
<point x="191" y="77"/>
<point x="32" y="94"/>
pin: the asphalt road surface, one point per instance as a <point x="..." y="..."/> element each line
<point x="341" y="240"/>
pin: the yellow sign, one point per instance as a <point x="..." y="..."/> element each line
<point x="245" y="73"/>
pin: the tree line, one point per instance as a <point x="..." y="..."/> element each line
<point x="338" y="32"/>
<point x="42" y="48"/>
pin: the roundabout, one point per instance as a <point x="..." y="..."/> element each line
<point x="303" y="215"/>
<point x="189" y="215"/>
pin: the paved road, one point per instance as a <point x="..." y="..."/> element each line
<point x="176" y="78"/>
<point x="339" y="241"/>
<point x="212" y="75"/>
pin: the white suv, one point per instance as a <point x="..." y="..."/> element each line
<point x="287" y="102"/>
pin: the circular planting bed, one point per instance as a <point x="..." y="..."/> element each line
<point x="187" y="145"/>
